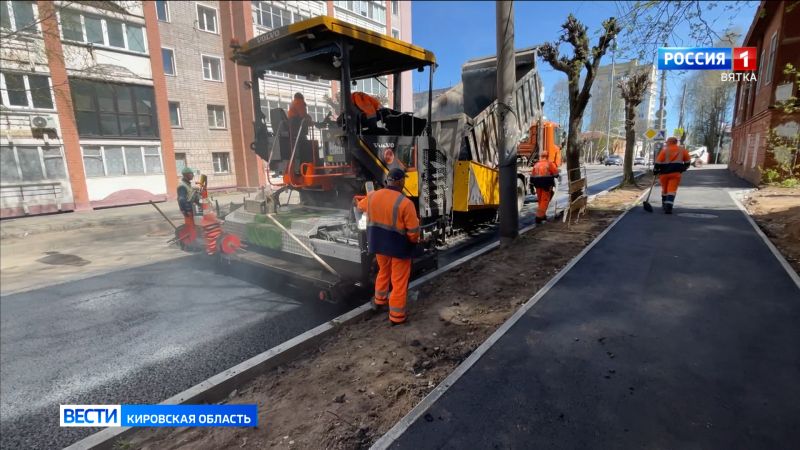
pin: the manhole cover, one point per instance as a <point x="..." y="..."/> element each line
<point x="698" y="215"/>
<point x="62" y="259"/>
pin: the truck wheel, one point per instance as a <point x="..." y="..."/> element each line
<point x="520" y="194"/>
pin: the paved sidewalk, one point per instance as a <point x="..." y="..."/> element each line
<point x="672" y="332"/>
<point x="144" y="215"/>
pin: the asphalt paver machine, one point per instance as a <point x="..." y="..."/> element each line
<point x="319" y="240"/>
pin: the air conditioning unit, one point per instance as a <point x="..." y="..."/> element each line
<point x="43" y="122"/>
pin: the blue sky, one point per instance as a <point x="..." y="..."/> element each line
<point x="458" y="31"/>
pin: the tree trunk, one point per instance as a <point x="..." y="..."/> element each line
<point x="630" y="142"/>
<point x="574" y="152"/>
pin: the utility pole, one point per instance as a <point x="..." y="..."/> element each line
<point x="680" y="118"/>
<point x="610" y="96"/>
<point x="662" y="102"/>
<point x="506" y="78"/>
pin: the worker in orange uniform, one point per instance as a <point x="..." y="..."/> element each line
<point x="188" y="196"/>
<point x="392" y="234"/>
<point x="543" y="180"/>
<point x="369" y="107"/>
<point x="298" y="111"/>
<point x="670" y="163"/>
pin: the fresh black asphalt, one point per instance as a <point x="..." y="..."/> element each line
<point x="674" y="332"/>
<point x="142" y="335"/>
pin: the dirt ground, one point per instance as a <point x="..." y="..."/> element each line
<point x="777" y="212"/>
<point x="361" y="381"/>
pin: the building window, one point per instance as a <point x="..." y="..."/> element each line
<point x="162" y="10"/>
<point x="114" y="110"/>
<point x="395" y="34"/>
<point x="212" y="68"/>
<point x="761" y="69"/>
<point x="755" y="151"/>
<point x="216" y="116"/>
<point x="372" y="10"/>
<point x="18" y="16"/>
<point x="271" y="16"/>
<point x="25" y="91"/>
<point x="121" y="160"/>
<point x="221" y="162"/>
<point x="373" y="86"/>
<point x="207" y="19"/>
<point x="102" y="31"/>
<point x="773" y="48"/>
<point x="180" y="161"/>
<point x="30" y="163"/>
<point x="175" y="114"/>
<point x="395" y="7"/>
<point x="168" y="59"/>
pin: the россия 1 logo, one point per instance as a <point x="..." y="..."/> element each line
<point x="736" y="59"/>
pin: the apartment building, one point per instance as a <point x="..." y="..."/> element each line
<point x="80" y="100"/>
<point x="103" y="103"/>
<point x="757" y="123"/>
<point x="605" y="93"/>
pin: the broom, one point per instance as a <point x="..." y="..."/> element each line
<point x="646" y="205"/>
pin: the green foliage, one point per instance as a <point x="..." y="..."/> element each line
<point x="790" y="183"/>
<point x="770" y="176"/>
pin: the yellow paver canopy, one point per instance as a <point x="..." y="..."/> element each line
<point x="311" y="48"/>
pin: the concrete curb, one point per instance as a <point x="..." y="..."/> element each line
<point x="219" y="386"/>
<point x="735" y="196"/>
<point x="402" y="425"/>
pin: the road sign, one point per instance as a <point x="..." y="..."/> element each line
<point x="650" y="133"/>
<point x="660" y="136"/>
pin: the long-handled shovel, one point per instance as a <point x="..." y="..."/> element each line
<point x="646" y="205"/>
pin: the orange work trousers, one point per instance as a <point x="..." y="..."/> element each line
<point x="543" y="195"/>
<point x="669" y="183"/>
<point x="397" y="271"/>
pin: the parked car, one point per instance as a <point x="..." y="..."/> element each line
<point x="638" y="161"/>
<point x="613" y="160"/>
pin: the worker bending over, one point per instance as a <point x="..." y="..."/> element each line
<point x="392" y="234"/>
<point x="671" y="161"/>
<point x="368" y="106"/>
<point x="543" y="179"/>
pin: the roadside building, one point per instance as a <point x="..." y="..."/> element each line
<point x="757" y="123"/>
<point x="605" y="91"/>
<point x="102" y="103"/>
<point x="80" y="126"/>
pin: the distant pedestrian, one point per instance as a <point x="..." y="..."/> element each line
<point x="392" y="234"/>
<point x="670" y="163"/>
<point x="543" y="180"/>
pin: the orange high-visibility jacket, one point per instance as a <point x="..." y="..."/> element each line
<point x="297" y="109"/>
<point x="393" y="225"/>
<point x="544" y="174"/>
<point x="366" y="103"/>
<point x="672" y="159"/>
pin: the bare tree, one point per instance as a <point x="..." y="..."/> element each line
<point x="647" y="25"/>
<point x="632" y="89"/>
<point x="557" y="103"/>
<point x="583" y="57"/>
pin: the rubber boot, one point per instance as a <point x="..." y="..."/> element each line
<point x="539" y="220"/>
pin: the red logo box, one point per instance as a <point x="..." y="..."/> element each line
<point x="745" y="59"/>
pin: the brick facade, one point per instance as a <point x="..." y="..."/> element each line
<point x="755" y="118"/>
<point x="237" y="23"/>
<point x="63" y="99"/>
<point x="194" y="138"/>
<point x="160" y="88"/>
